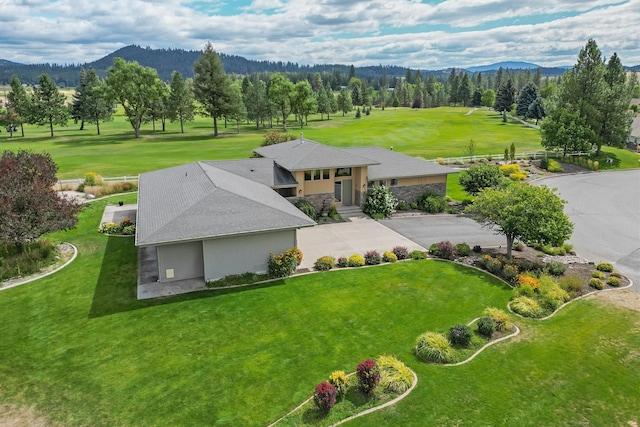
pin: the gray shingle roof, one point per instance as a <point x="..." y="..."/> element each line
<point x="264" y="171"/>
<point x="396" y="165"/>
<point x="200" y="200"/>
<point x="303" y="154"/>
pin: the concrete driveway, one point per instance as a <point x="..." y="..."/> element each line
<point x="605" y="208"/>
<point x="347" y="238"/>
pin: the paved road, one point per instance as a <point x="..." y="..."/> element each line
<point x="605" y="208"/>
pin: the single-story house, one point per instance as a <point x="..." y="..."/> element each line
<point x="634" y="135"/>
<point x="210" y="219"/>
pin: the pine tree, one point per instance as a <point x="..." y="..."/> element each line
<point x="505" y="98"/>
<point x="19" y="102"/>
<point x="528" y="94"/>
<point x="48" y="107"/>
<point x="180" y="105"/>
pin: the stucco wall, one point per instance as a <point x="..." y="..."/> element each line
<point x="241" y="254"/>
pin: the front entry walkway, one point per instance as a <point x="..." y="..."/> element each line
<point x="347" y="238"/>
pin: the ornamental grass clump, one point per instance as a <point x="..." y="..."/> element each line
<point x="394" y="375"/>
<point x="605" y="266"/>
<point x="596" y="283"/>
<point x="527" y="307"/>
<point x="500" y="318"/>
<point x="325" y="396"/>
<point x="434" y="347"/>
<point x="368" y="375"/>
<point x="613" y="281"/>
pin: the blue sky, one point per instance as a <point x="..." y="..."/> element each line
<point x="429" y="34"/>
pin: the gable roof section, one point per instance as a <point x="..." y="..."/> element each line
<point x="392" y="164"/>
<point x="304" y="154"/>
<point x="199" y="201"/>
<point x="264" y="171"/>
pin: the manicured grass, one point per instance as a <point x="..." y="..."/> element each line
<point x="455" y="190"/>
<point x="428" y="133"/>
<point x="79" y="347"/>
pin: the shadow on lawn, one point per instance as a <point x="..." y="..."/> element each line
<point x="116" y="288"/>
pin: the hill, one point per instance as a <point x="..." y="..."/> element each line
<point x="512" y="65"/>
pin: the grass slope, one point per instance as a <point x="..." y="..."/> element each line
<point x="428" y="133"/>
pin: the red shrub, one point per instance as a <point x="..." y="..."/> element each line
<point x="368" y="376"/>
<point x="325" y="396"/>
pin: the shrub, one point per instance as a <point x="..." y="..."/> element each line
<point x="554" y="166"/>
<point x="298" y="254"/>
<point x="433" y="249"/>
<point x="616" y="274"/>
<point x="343" y="262"/>
<point x="479" y="177"/>
<point x="509" y="272"/>
<point x="486" y="326"/>
<point x="518" y="176"/>
<point x="403" y="206"/>
<point x="325" y="396"/>
<point x="284" y="264"/>
<point x="340" y="381"/>
<point x="526" y="290"/>
<point x="388" y="256"/>
<point x="324" y="263"/>
<point x="596" y="283"/>
<point x="477" y="249"/>
<point x="372" y="257"/>
<point x="446" y="250"/>
<point x="368" y="375"/>
<point x="110" y="228"/>
<point x="507" y="170"/>
<point x="431" y="202"/>
<point x="556" y="268"/>
<point x="605" y="266"/>
<point x="527" y="280"/>
<point x="416" y="254"/>
<point x="493" y="265"/>
<point x="274" y="137"/>
<point x="91" y="179"/>
<point x="527" y="307"/>
<point x="462" y="249"/>
<point x="394" y="375"/>
<point x="401" y="252"/>
<point x="459" y="335"/>
<point x="571" y="283"/>
<point x="544" y="163"/>
<point x="380" y="200"/>
<point x="598" y="275"/>
<point x="500" y="318"/>
<point x="434" y="347"/>
<point x="125" y="222"/>
<point x="356" y="260"/>
<point x="549" y="288"/>
<point x="307" y="208"/>
<point x="129" y="230"/>
<point x="548" y="303"/>
<point x="613" y="281"/>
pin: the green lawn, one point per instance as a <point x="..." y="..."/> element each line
<point x="428" y="133"/>
<point x="79" y="347"/>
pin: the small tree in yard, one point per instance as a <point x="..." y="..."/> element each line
<point x="29" y="206"/>
<point x="525" y="212"/>
<point x="478" y="177"/>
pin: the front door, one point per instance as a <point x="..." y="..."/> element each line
<point x="346" y="193"/>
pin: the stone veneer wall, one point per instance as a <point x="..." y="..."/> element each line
<point x="315" y="199"/>
<point x="410" y="193"/>
<point x="359" y="199"/>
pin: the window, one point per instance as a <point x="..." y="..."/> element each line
<point x="343" y="172"/>
<point x="325" y="173"/>
<point x="394" y="182"/>
<point x="371" y="184"/>
<point x="307" y="175"/>
<point x="316" y="175"/>
<point x="382" y="183"/>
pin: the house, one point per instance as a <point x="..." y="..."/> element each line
<point x="210" y="219"/>
<point x="634" y="135"/>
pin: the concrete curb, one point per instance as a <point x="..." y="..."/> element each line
<point x="33" y="279"/>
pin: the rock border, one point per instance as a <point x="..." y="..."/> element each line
<point x="40" y="276"/>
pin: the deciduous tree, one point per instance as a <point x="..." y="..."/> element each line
<point x="531" y="214"/>
<point x="479" y="177"/>
<point x="29" y="206"/>
<point x="280" y="92"/>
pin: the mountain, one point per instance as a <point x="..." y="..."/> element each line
<point x="4" y="62"/>
<point x="512" y="65"/>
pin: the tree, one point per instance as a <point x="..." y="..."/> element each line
<point x="135" y="87"/>
<point x="505" y="98"/>
<point x="180" y="105"/>
<point x="280" y="93"/>
<point x="96" y="107"/>
<point x="324" y="107"/>
<point x="9" y="118"/>
<point x="536" y="111"/>
<point x="236" y="111"/>
<point x="476" y="101"/>
<point x="566" y="131"/>
<point x="488" y="98"/>
<point x="79" y="98"/>
<point x="303" y="101"/>
<point x="48" y="104"/>
<point x="465" y="89"/>
<point x="528" y="95"/>
<point x="479" y="177"/>
<point x="158" y="109"/>
<point x="19" y="102"/>
<point x="522" y="211"/>
<point x="29" y="206"/>
<point x="344" y="102"/>
<point x="212" y="87"/>
<point x="614" y="108"/>
<point x="256" y="102"/>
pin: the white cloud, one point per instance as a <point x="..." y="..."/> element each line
<point x="327" y="31"/>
